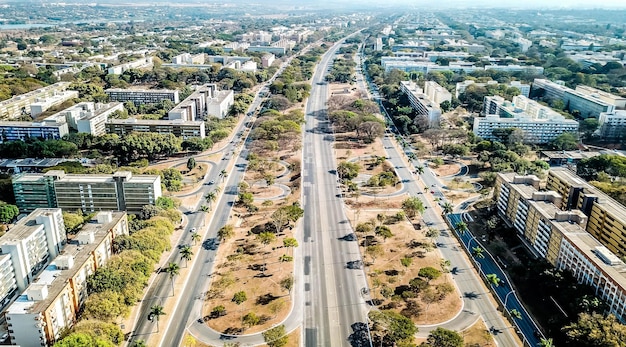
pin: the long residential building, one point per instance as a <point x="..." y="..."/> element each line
<point x="607" y="217"/>
<point x="121" y="191"/>
<point x="559" y="237"/>
<point x="51" y="304"/>
<point x="12" y="131"/>
<point x="29" y="246"/>
<point x="612" y="125"/>
<point x="20" y="104"/>
<point x="87" y="117"/>
<point x="588" y="101"/>
<point x="421" y="103"/>
<point x="540" y="124"/>
<point x="41" y="105"/>
<point x="408" y="65"/>
<point x="140" y="63"/>
<point x="178" y="127"/>
<point x="204" y="101"/>
<point x="143" y="96"/>
<point x="436" y="93"/>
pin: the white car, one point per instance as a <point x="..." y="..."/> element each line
<point x="193" y="230"/>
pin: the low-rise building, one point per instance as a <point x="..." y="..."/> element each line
<point x="559" y="236"/>
<point x="50" y="305"/>
<point x="12" y="131"/>
<point x="86" y="117"/>
<point x="41" y="105"/>
<point x="20" y="104"/>
<point x="140" y="63"/>
<point x="143" y="96"/>
<point x="186" y="58"/>
<point x="420" y="103"/>
<point x="178" y="127"/>
<point x="121" y="191"/>
<point x="540" y="124"/>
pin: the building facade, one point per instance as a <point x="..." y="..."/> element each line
<point x="178" y="127"/>
<point x="51" y="304"/>
<point x="612" y="125"/>
<point x="20" y="104"/>
<point x="436" y="93"/>
<point x="421" y="104"/>
<point x="41" y="105"/>
<point x="195" y="105"/>
<point x="13" y="131"/>
<point x="143" y="96"/>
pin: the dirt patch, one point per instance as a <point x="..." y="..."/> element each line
<point x="445" y="169"/>
<point x="266" y="192"/>
<point x="478" y="335"/>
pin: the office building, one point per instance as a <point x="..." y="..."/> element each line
<point x="41" y="105"/>
<point x="559" y="237"/>
<point x="50" y="305"/>
<point x="29" y="246"/>
<point x="143" y="96"/>
<point x="607" y="217"/>
<point x="11" y="131"/>
<point x="461" y="86"/>
<point x="436" y="93"/>
<point x="267" y="60"/>
<point x="178" y="127"/>
<point x="186" y="58"/>
<point x="421" y="104"/>
<point x="140" y="63"/>
<point x="20" y="104"/>
<point x="540" y="124"/>
<point x="121" y="191"/>
<point x="612" y="125"/>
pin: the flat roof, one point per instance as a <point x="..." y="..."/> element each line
<point x="26" y="226"/>
<point x="133" y="121"/>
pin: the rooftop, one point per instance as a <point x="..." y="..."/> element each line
<point x="26" y="226"/>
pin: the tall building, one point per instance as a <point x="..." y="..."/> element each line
<point x="178" y="127"/>
<point x="420" y="103"/>
<point x="612" y="125"/>
<point x="143" y="96"/>
<point x="51" y="304"/>
<point x="540" y="124"/>
<point x="20" y="104"/>
<point x="121" y="191"/>
<point x="436" y="93"/>
<point x="607" y="217"/>
<point x="29" y="246"/>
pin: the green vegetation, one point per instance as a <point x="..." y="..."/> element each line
<point x="390" y="328"/>
<point x="8" y="212"/>
<point x="607" y="173"/>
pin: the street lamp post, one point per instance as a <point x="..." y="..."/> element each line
<point x="506" y="297"/>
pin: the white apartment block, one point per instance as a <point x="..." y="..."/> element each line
<point x="186" y="58"/>
<point x="178" y="127"/>
<point x="51" y="304"/>
<point x="195" y="105"/>
<point x="87" y="117"/>
<point x="461" y="86"/>
<point x="267" y="60"/>
<point x="436" y="93"/>
<point x="420" y="103"/>
<point x="29" y="246"/>
<point x="378" y="45"/>
<point x="41" y="105"/>
<point x="259" y="36"/>
<point x="393" y="63"/>
<point x="143" y="96"/>
<point x="219" y="105"/>
<point x="140" y="63"/>
<point x="540" y="124"/>
<point x="248" y="66"/>
<point x="590" y="102"/>
<point x="612" y="125"/>
<point x="20" y="104"/>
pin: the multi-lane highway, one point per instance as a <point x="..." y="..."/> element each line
<point x="333" y="302"/>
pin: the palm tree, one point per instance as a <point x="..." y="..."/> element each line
<point x="156" y="311"/>
<point x="493" y="279"/>
<point x="515" y="314"/>
<point x="210" y="198"/>
<point x="447" y="208"/>
<point x="223" y="175"/>
<point x="186" y="253"/>
<point x="217" y="190"/>
<point x="195" y="237"/>
<point x="546" y="343"/>
<point x="419" y="170"/>
<point x="461" y="227"/>
<point x="172" y="270"/>
<point x="478" y="252"/>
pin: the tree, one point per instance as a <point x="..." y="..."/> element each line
<point x="172" y="270"/>
<point x="493" y="279"/>
<point x="250" y="319"/>
<point x="8" y="212"/>
<point x="223" y="175"/>
<point x="105" y="306"/>
<point x="195" y="237"/>
<point x="565" y="142"/>
<point x="156" y="311"/>
<point x="429" y="273"/>
<point x="461" y="227"/>
<point x="588" y="126"/>
<point x="83" y="339"/>
<point x="384" y="232"/>
<point x="166" y="203"/>
<point x="240" y="297"/>
<point x="73" y="221"/>
<point x="596" y="330"/>
<point x="210" y="198"/>
<point x="347" y="170"/>
<point x="226" y="232"/>
<point x="441" y="337"/>
<point x="432" y="233"/>
<point x="218" y="311"/>
<point x="276" y="337"/>
<point x="546" y="343"/>
<point x="191" y="164"/>
<point x="389" y="327"/>
<point x="515" y="314"/>
<point x="290" y="242"/>
<point x="447" y="208"/>
<point x="413" y="205"/>
<point x="419" y="170"/>
<point x="287" y="283"/>
<point x="186" y="254"/>
<point x="374" y="251"/>
<point x="478" y="252"/>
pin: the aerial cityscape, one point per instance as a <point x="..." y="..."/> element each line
<point x="326" y="173"/>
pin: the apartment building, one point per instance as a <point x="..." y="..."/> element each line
<point x="436" y="93"/>
<point x="29" y="246"/>
<point x="195" y="105"/>
<point x="612" y="125"/>
<point x="588" y="101"/>
<point x="267" y="60"/>
<point x="121" y="191"/>
<point x="607" y="217"/>
<point x="421" y="103"/>
<point x="178" y="127"/>
<point x="461" y="86"/>
<point x="86" y="117"/>
<point x="52" y="302"/>
<point x="41" y="105"/>
<point x="20" y="104"/>
<point x="12" y="131"/>
<point x="559" y="237"/>
<point x="140" y="63"/>
<point x="378" y="45"/>
<point x="540" y="124"/>
<point x="142" y="96"/>
<point x="186" y="58"/>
